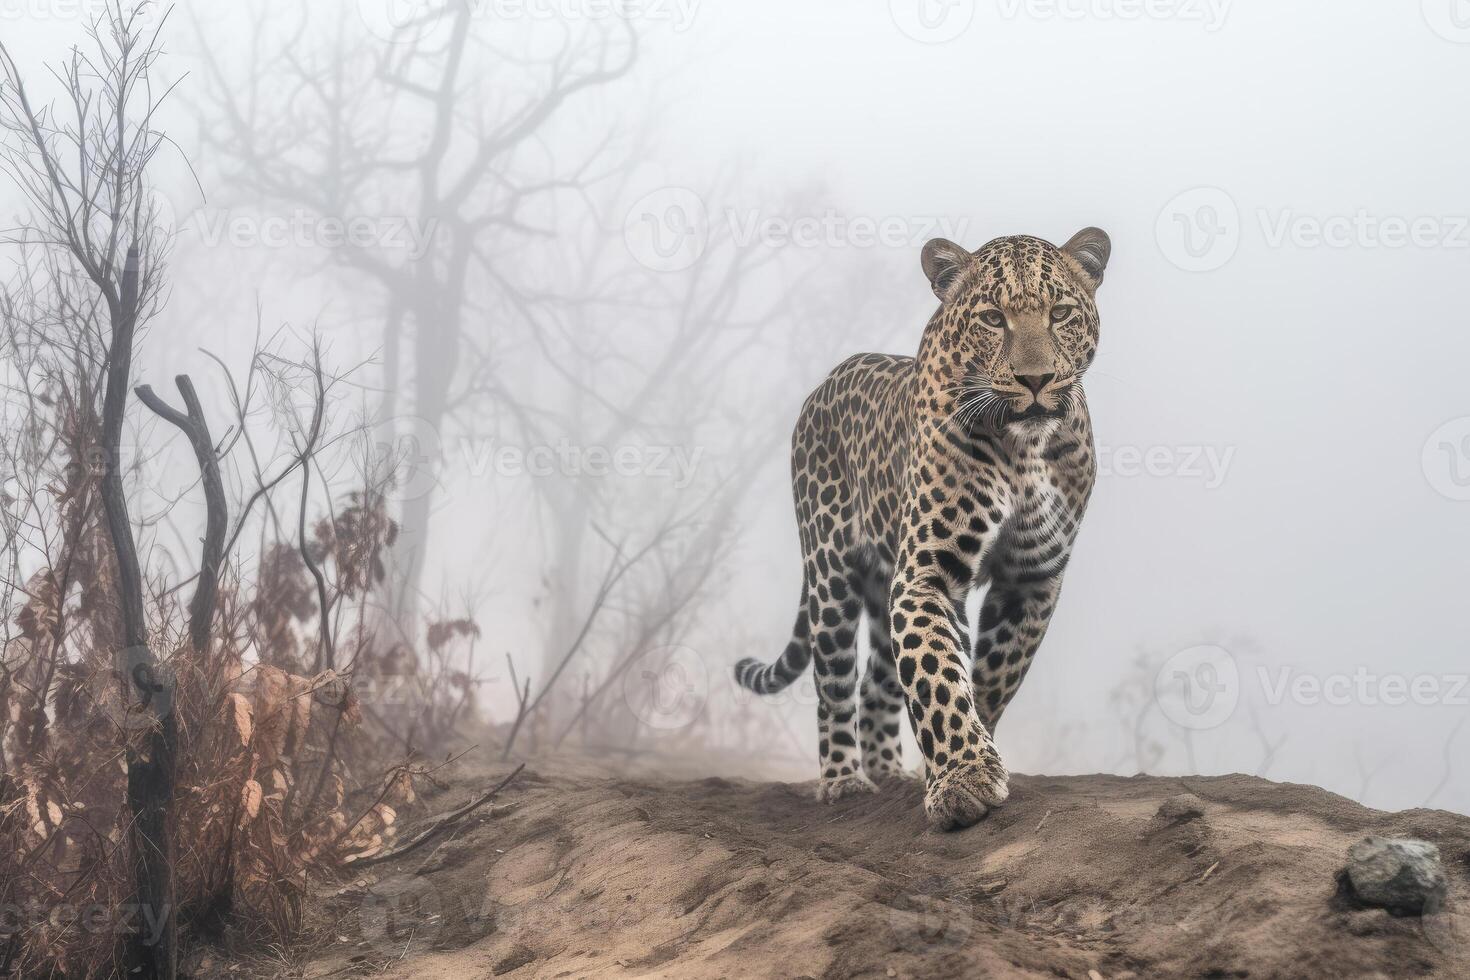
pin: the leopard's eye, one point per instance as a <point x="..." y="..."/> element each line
<point x="1061" y="314"/>
<point x="993" y="318"/>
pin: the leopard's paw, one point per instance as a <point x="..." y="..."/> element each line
<point x="833" y="788"/>
<point x="963" y="792"/>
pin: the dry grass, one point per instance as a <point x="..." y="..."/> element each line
<point x="278" y="779"/>
<point x="281" y="778"/>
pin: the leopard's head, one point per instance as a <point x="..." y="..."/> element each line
<point x="1018" y="325"/>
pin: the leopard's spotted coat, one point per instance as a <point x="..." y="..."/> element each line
<point x="919" y="480"/>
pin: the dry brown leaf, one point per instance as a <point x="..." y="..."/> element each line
<point x="402" y="785"/>
<point x="272" y="721"/>
<point x="240" y="707"/>
<point x="352" y="708"/>
<point x="251" y="796"/>
<point x="368" y="848"/>
<point x="301" y="705"/>
<point x="280" y="782"/>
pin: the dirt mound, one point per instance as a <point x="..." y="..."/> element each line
<point x="579" y="875"/>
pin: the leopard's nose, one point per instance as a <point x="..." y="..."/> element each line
<point x="1036" y="382"/>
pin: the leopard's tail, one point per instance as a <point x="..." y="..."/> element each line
<point x="761" y="678"/>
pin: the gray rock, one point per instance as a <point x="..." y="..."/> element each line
<point x="1184" y="810"/>
<point x="1398" y="874"/>
<point x="1178" y="809"/>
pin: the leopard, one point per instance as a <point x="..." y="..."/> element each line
<point x="922" y="481"/>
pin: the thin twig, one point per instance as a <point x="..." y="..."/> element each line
<point x="445" y="821"/>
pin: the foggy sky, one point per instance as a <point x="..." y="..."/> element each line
<point x="1283" y="418"/>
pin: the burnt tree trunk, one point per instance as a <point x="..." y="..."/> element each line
<point x="151" y="763"/>
<point x="192" y="423"/>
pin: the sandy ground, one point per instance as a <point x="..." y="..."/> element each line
<point x="576" y="874"/>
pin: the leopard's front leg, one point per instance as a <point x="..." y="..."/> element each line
<point x="1013" y="621"/>
<point x="940" y="549"/>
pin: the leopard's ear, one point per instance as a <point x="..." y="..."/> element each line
<point x="943" y="262"/>
<point x="1091" y="247"/>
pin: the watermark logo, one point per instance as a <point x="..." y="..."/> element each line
<point x="1446" y="459"/>
<point x="427" y="21"/>
<point x="398" y="911"/>
<point x="132" y="919"/>
<point x="667" y="688"/>
<point x="420" y="21"/>
<point x="1450" y="19"/>
<point x="670" y="229"/>
<point x="1209" y="13"/>
<point x="408" y="458"/>
<point x="932" y="21"/>
<point x="678" y="465"/>
<point x="1363" y="687"/>
<point x="1446" y="928"/>
<point x="176" y="207"/>
<point x="180" y="209"/>
<point x="833" y="229"/>
<point x="404" y="455"/>
<point x="1208" y="465"/>
<point x="145" y="698"/>
<point x="1363" y="229"/>
<point x="667" y="230"/>
<point x="678" y="14"/>
<point x="932" y="917"/>
<point x="1198" y="688"/>
<point x="1199" y="230"/>
<point x="144" y="17"/>
<point x="303" y="229"/>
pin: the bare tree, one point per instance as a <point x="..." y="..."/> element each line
<point x="82" y="170"/>
<point x="506" y="209"/>
<point x="236" y="718"/>
<point x="465" y="181"/>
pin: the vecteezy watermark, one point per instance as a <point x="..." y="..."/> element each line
<point x="932" y="21"/>
<point x="1450" y="19"/>
<point x="1363" y="229"/>
<point x="677" y="464"/>
<point x="1362" y="687"/>
<point x="143" y="16"/>
<point x="832" y="229"/>
<point x="932" y="915"/>
<point x="1199" y="230"/>
<point x="1445" y="926"/>
<point x="667" y="689"/>
<point x="146" y="694"/>
<point x="667" y="230"/>
<point x="212" y="227"/>
<point x="425" y="21"/>
<point x="1208" y="465"/>
<point x="1211" y="14"/>
<point x="1446" y="459"/>
<point x="529" y="919"/>
<point x="670" y="229"/>
<point x="399" y="910"/>
<point x="404" y="456"/>
<point x="408" y="458"/>
<point x="1198" y="688"/>
<point x="127" y="920"/>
